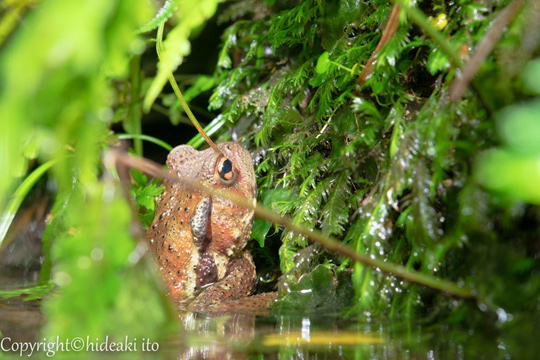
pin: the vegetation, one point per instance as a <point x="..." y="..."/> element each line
<point x="394" y="164"/>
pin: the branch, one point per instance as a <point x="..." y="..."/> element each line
<point x="483" y="49"/>
<point x="330" y="243"/>
<point x="389" y="31"/>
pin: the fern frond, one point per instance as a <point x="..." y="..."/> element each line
<point x="335" y="212"/>
<point x="425" y="228"/>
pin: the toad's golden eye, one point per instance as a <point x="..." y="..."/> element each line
<point x="225" y="169"/>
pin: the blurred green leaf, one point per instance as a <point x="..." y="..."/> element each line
<point x="531" y="76"/>
<point x="95" y="267"/>
<point x="519" y="127"/>
<point x="514" y="174"/>
<point x="202" y="84"/>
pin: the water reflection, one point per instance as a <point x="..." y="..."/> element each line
<point x="279" y="334"/>
<point x="297" y="336"/>
<point x="216" y="335"/>
<point x="245" y="336"/>
<point x="326" y="336"/>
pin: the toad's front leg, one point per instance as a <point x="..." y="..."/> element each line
<point x="238" y="282"/>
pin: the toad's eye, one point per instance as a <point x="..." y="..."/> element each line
<point x="225" y="169"/>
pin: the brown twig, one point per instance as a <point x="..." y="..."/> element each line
<point x="389" y="31"/>
<point x="483" y="49"/>
<point x="329" y="243"/>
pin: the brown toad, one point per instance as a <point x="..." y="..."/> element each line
<point x="198" y="240"/>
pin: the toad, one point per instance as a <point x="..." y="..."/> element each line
<point x="199" y="240"/>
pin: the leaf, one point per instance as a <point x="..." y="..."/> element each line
<point x="396" y="137"/>
<point x="323" y="64"/>
<point x="260" y="230"/>
<point x="295" y="26"/>
<point x="224" y="60"/>
<point x="307" y="207"/>
<point x="514" y="174"/>
<point x="437" y="61"/>
<point x="365" y="107"/>
<point x="166" y="11"/>
<point x="176" y="46"/>
<point x="519" y="128"/>
<point x="202" y="84"/>
<point x="8" y="214"/>
<point x="28" y="294"/>
<point x="531" y="76"/>
<point x="423" y="226"/>
<point x="146" y="195"/>
<point x="139" y="177"/>
<point x="364" y="287"/>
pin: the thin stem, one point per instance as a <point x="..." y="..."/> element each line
<point x="341" y="66"/>
<point x="148" y="138"/>
<point x="134" y="113"/>
<point x="210" y="129"/>
<point x="172" y="81"/>
<point x="330" y="243"/>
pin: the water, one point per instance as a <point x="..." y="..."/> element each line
<point x="19" y="319"/>
<point x="282" y="335"/>
<point x="319" y="336"/>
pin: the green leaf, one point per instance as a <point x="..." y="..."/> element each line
<point x="166" y="11"/>
<point x="139" y="177"/>
<point x="531" y="76"/>
<point x="519" y="127"/>
<point x="29" y="294"/>
<point x="422" y="226"/>
<point x="224" y="60"/>
<point x="97" y="265"/>
<point x="202" y="84"/>
<point x="323" y="63"/>
<point x="511" y="173"/>
<point x="16" y="200"/>
<point x="437" y="61"/>
<point x="146" y="195"/>
<point x="260" y="230"/>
